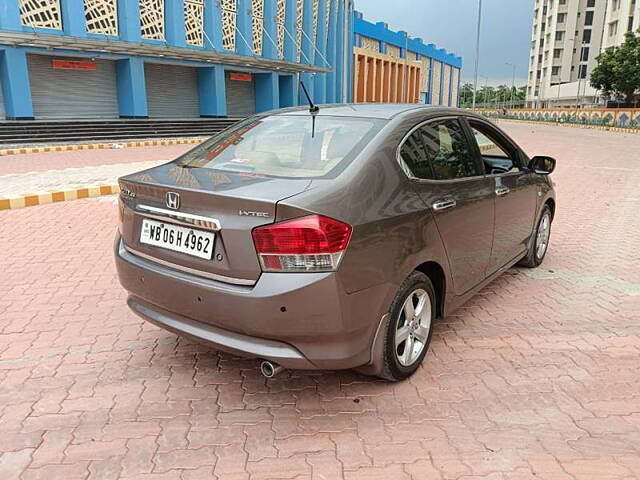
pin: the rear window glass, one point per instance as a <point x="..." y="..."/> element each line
<point x="291" y="146"/>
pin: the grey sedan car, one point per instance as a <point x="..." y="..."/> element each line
<point x="331" y="239"/>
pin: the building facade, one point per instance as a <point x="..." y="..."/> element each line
<point x="567" y="37"/>
<point x="392" y="67"/>
<point x="170" y="58"/>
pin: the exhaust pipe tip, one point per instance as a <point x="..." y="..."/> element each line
<point x="270" y="369"/>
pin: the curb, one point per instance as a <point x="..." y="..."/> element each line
<point x="572" y="125"/>
<point x="64" y="195"/>
<point x="99" y="146"/>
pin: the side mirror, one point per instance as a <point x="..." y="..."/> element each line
<point x="542" y="165"/>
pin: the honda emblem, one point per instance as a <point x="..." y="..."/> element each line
<point x="172" y="199"/>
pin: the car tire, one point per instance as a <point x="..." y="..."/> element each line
<point x="401" y="358"/>
<point x="537" y="250"/>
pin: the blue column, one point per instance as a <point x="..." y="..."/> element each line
<point x="320" y="80"/>
<point x="287" y="91"/>
<point x="267" y="91"/>
<point x="450" y="85"/>
<point x="330" y="94"/>
<point x="290" y="47"/>
<point x="339" y="61"/>
<point x="212" y="25"/>
<point x="269" y="42"/>
<point x="243" y="25"/>
<point x="10" y="16"/>
<point x="351" y="16"/>
<point x="307" y="56"/>
<point x="14" y="73"/>
<point x="430" y="81"/>
<point x="73" y="20"/>
<point x="459" y="81"/>
<point x="132" y="90"/>
<point x="129" y="20"/>
<point x="213" y="95"/>
<point x="174" y="23"/>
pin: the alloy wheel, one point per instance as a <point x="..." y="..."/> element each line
<point x="542" y="238"/>
<point x="413" y="326"/>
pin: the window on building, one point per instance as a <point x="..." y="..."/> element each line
<point x="543" y="27"/>
<point x="559" y="36"/>
<point x="39" y="14"/>
<point x="585" y="55"/>
<point x="557" y="53"/>
<point x="591" y="3"/>
<point x="586" y="36"/>
<point x="613" y="28"/>
<point x="562" y="17"/>
<point x="582" y="71"/>
<point x="152" y="19"/>
<point x="555" y="71"/>
<point x="630" y="25"/>
<point x="588" y="18"/>
<point x="562" y="2"/>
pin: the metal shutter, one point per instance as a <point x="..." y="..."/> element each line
<point x="2" y="114"/>
<point x="241" y="97"/>
<point x="172" y="91"/>
<point x="61" y="93"/>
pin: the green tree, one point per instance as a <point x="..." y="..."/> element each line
<point x="618" y="72"/>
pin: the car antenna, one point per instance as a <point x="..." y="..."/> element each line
<point x="313" y="109"/>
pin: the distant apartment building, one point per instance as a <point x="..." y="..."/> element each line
<point x="390" y="66"/>
<point x="567" y="37"/>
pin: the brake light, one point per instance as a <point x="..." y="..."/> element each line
<point x="308" y="244"/>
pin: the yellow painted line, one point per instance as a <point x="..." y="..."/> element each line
<point x="100" y="146"/>
<point x="63" y="195"/>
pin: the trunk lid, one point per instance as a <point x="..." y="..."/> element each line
<point x="238" y="201"/>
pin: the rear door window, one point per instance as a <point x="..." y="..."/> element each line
<point x="290" y="146"/>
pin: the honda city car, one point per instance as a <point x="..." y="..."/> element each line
<point x="331" y="238"/>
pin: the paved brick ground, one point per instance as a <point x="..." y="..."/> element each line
<point x="537" y="377"/>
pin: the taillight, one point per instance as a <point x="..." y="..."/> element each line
<point x="308" y="244"/>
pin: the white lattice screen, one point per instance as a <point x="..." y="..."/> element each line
<point x="280" y="18"/>
<point x="101" y="16"/>
<point x="328" y="13"/>
<point x="152" y="19"/>
<point x="40" y="13"/>
<point x="228" y="24"/>
<point x="257" y="25"/>
<point x="194" y="21"/>
<point x="299" y="11"/>
<point x="315" y="21"/>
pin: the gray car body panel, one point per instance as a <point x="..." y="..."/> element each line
<point x="333" y="320"/>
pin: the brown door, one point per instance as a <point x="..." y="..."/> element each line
<point x="448" y="178"/>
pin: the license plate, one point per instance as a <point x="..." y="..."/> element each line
<point x="198" y="243"/>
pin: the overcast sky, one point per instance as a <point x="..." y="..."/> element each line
<point x="451" y="24"/>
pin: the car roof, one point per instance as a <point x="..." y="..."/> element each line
<point x="385" y="111"/>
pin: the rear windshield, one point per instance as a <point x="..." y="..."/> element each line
<point x="291" y="146"/>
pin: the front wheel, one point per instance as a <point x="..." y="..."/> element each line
<point x="540" y="243"/>
<point x="409" y="327"/>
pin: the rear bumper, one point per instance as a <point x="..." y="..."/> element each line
<point x="302" y="321"/>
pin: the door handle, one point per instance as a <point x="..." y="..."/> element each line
<point x="441" y="205"/>
<point x="501" y="191"/>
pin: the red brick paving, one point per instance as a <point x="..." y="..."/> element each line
<point x="536" y="377"/>
<point x="32" y="162"/>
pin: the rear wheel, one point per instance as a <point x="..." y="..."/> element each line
<point x="409" y="327"/>
<point x="540" y="241"/>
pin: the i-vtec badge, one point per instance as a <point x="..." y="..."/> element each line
<point x="245" y="213"/>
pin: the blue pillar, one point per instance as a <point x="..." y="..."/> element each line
<point x="129" y="21"/>
<point x="287" y="91"/>
<point x="269" y="50"/>
<point x="244" y="34"/>
<point x="450" y="85"/>
<point x="320" y="80"/>
<point x="14" y="73"/>
<point x="307" y="56"/>
<point x="212" y="25"/>
<point x="10" y="16"/>
<point x="330" y="94"/>
<point x="267" y="91"/>
<point x="73" y="19"/>
<point x="132" y="91"/>
<point x="213" y="95"/>
<point x="339" y="61"/>
<point x="459" y="80"/>
<point x="351" y="16"/>
<point x="290" y="47"/>
<point x="174" y="23"/>
<point x="430" y="81"/>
